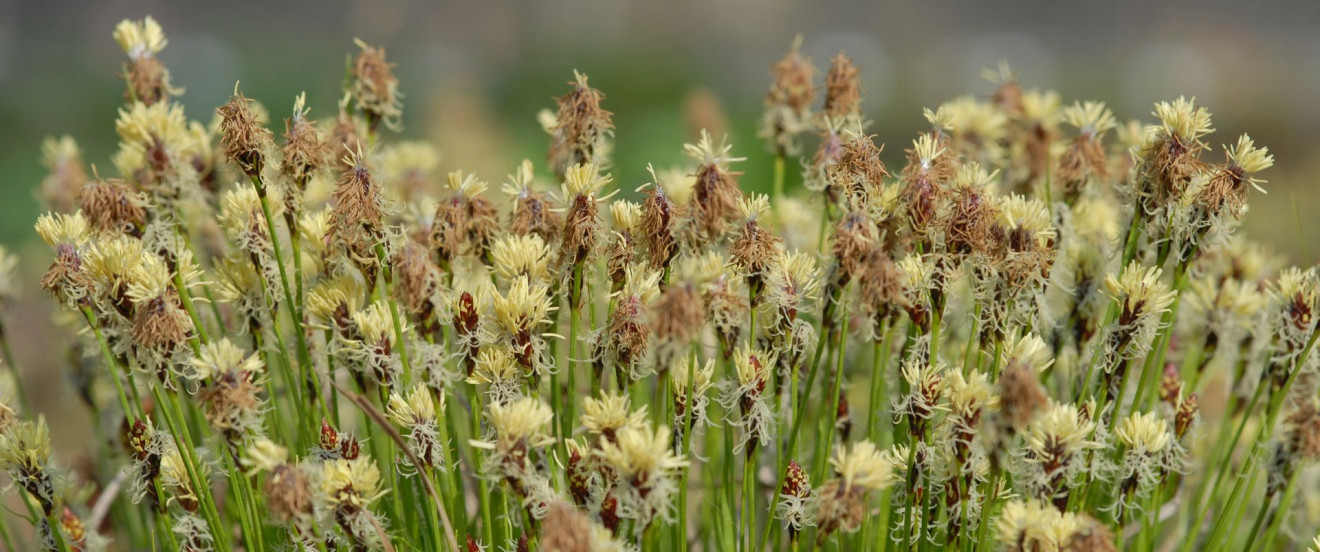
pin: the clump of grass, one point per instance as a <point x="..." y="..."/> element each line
<point x="1006" y="344"/>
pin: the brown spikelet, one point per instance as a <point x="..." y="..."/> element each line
<point x="289" y="495"/>
<point x="792" y="84"/>
<point x="659" y="215"/>
<point x="345" y="135"/>
<point x="1020" y="395"/>
<point x="1093" y="536"/>
<point x="304" y="151"/>
<point x="229" y="401"/>
<point x="854" y="238"/>
<point x="112" y="206"/>
<point x="161" y="324"/>
<point x="924" y="188"/>
<point x="839" y="508"/>
<point x="969" y="222"/>
<point x="62" y="185"/>
<point x="1082" y="163"/>
<point x="881" y="286"/>
<point x="843" y="88"/>
<point x="533" y="213"/>
<point x="715" y="200"/>
<point x="581" y="227"/>
<point x="1186" y="414"/>
<point x="244" y="139"/>
<point x="754" y="250"/>
<point x="581" y="127"/>
<point x="1303" y="436"/>
<point x="417" y="281"/>
<point x="677" y="314"/>
<point x="148" y="80"/>
<point x="565" y="529"/>
<point x="858" y="173"/>
<point x="358" y="211"/>
<point x="374" y="87"/>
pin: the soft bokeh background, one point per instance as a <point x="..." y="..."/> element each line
<point x="476" y="73"/>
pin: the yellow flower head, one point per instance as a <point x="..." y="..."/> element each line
<point x="350" y="483"/>
<point x="140" y="38"/>
<point x="610" y="413"/>
<point x="527" y="255"/>
<point x="1143" y="433"/>
<point x="864" y="465"/>
<point x="641" y="453"/>
<point x="223" y="356"/>
<point x="1182" y="118"/>
<point x="522" y="421"/>
<point x="61" y="229"/>
<point x="417" y="407"/>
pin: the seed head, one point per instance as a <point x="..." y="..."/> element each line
<point x="247" y="143"/>
<point x="581" y="130"/>
<point x="374" y="87"/>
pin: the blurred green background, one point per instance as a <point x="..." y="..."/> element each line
<point x="476" y="73"/>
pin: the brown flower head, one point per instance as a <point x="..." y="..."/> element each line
<point x="417" y="285"/>
<point x="581" y="130"/>
<point x="375" y="89"/>
<point x="465" y="222"/>
<point x="788" y="104"/>
<point x="1020" y="395"/>
<point x="304" y="152"/>
<point x="755" y="248"/>
<point x="533" y="211"/>
<point x="565" y="529"/>
<point x="929" y="168"/>
<point x="289" y="495"/>
<point x="112" y="207"/>
<point x="245" y="140"/>
<point x="658" y="223"/>
<point x="715" y="195"/>
<point x="357" y="217"/>
<point x="62" y="185"/>
<point x="843" y="88"/>
<point x="858" y="173"/>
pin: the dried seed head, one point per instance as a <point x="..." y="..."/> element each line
<point x="62" y="185"/>
<point x="839" y="508"/>
<point x="582" y="185"/>
<point x="716" y="193"/>
<point x="857" y="173"/>
<point x="357" y="217"/>
<point x="305" y="154"/>
<point x="929" y="167"/>
<point x="658" y="223"/>
<point x="1008" y="96"/>
<point x="113" y="207"/>
<point x="565" y="529"/>
<point x="289" y="495"/>
<point x="374" y="87"/>
<point x="247" y="143"/>
<point x="1092" y="536"/>
<point x="581" y="130"/>
<point x="843" y="88"/>
<point x="533" y="211"/>
<point x="1302" y="437"/>
<point x="788" y="104"/>
<point x="1020" y="396"/>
